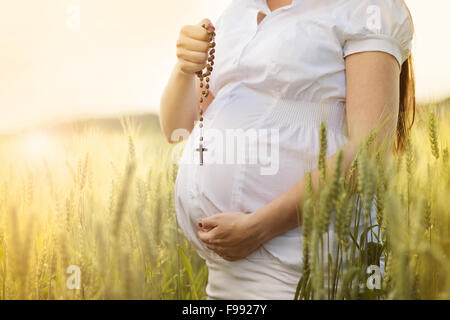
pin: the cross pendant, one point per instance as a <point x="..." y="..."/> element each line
<point x="201" y="150"/>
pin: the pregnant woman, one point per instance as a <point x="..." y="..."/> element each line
<point x="281" y="68"/>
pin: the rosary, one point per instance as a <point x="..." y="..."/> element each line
<point x="205" y="87"/>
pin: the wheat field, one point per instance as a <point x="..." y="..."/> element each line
<point x="102" y="203"/>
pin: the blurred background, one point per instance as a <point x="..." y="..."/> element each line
<point x="84" y="185"/>
<point x="76" y="59"/>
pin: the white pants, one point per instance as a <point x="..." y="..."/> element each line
<point x="251" y="279"/>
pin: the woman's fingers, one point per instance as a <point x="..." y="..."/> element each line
<point x="210" y="222"/>
<point x="228" y="258"/>
<point x="195" y="32"/>
<point x="190" y="67"/>
<point x="221" y="251"/>
<point x="207" y="237"/>
<point x="196" y="57"/>
<point x="227" y="253"/>
<point x="211" y="236"/>
<point x="193" y="46"/>
<point x="216" y="248"/>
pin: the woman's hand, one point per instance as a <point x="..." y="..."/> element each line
<point x="192" y="47"/>
<point x="232" y="235"/>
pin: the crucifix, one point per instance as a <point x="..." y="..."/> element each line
<point x="201" y="149"/>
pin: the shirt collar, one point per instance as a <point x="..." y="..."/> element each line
<point x="262" y="6"/>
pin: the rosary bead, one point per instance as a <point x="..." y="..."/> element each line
<point x="201" y="76"/>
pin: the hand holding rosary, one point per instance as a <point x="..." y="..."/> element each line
<point x="205" y="86"/>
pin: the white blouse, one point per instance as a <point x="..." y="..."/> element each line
<point x="286" y="73"/>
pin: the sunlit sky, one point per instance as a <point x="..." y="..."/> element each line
<point x="118" y="59"/>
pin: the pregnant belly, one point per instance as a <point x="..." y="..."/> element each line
<point x="251" y="159"/>
<point x="234" y="136"/>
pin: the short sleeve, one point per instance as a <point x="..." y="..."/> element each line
<point x="378" y="25"/>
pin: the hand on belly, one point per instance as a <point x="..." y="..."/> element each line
<point x="232" y="235"/>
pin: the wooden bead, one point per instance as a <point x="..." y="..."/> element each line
<point x="205" y="75"/>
